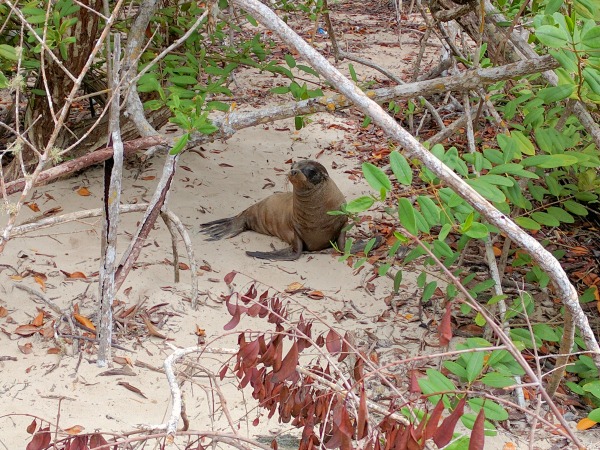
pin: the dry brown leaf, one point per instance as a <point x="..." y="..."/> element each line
<point x="39" y="319"/>
<point x="121" y="371"/>
<point x="579" y="251"/>
<point x="123" y="360"/>
<point x="75" y="429"/>
<point x="53" y="351"/>
<point x="151" y="328"/>
<point x="295" y="286"/>
<point x="3" y="312"/>
<point x="39" y="280"/>
<point x="26" y="348"/>
<point x="16" y="277"/>
<point x="131" y="388"/>
<point x="316" y="295"/>
<point x="84" y="192"/>
<point x="33" y="206"/>
<point x="26" y="330"/>
<point x="509" y="446"/>
<point x="200" y="331"/>
<point x="74" y="275"/>
<point x="84" y="321"/>
<point x="148" y="178"/>
<point x="32" y="427"/>
<point x="183" y="266"/>
<point x="585" y="424"/>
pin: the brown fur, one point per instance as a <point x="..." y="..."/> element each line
<point x="299" y="218"/>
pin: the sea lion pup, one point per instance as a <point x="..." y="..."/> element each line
<point x="299" y="218"/>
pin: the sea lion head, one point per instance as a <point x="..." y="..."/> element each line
<point x="307" y="174"/>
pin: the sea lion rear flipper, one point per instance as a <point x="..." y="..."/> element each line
<point x="286" y="254"/>
<point x="218" y="229"/>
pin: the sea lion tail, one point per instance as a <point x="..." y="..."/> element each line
<point x="219" y="229"/>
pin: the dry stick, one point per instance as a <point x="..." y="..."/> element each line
<point x="30" y="180"/>
<point x="96" y="157"/>
<point x="414" y="149"/>
<point x="187" y="242"/>
<point x="231" y="122"/>
<point x="171" y="229"/>
<point x="113" y="174"/>
<point x="156" y="204"/>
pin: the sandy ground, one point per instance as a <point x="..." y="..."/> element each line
<point x="219" y="181"/>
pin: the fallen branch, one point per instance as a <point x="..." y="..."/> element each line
<point x="83" y="162"/>
<point x="469" y="80"/>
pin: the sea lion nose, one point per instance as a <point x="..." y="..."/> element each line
<point x="294" y="172"/>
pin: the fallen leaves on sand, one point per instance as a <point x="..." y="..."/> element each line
<point x="84" y="321"/>
<point x="26" y="348"/>
<point x="75" y="429"/>
<point x="131" y="388"/>
<point x="26" y="330"/>
<point x="84" y="192"/>
<point x="74" y="275"/>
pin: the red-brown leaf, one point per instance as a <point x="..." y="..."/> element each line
<point x="26" y="330"/>
<point x="362" y="426"/>
<point x="234" y="320"/>
<point x="97" y="440"/>
<point x="443" y="435"/>
<point x="445" y="328"/>
<point x="288" y="365"/>
<point x="434" y="420"/>
<point x="229" y="277"/>
<point x="477" y="440"/>
<point x="333" y="342"/>
<point x="32" y="427"/>
<point x="414" y="382"/>
<point x="40" y="440"/>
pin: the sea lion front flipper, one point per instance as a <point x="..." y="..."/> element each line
<point x="218" y="229"/>
<point x="286" y="254"/>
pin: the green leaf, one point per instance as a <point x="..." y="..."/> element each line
<point x="523" y="143"/>
<point x="497" y="180"/>
<point x="488" y="191"/>
<point x="307" y="69"/>
<point x="550" y="161"/>
<point x="527" y="223"/>
<point x="352" y="73"/>
<point x="545" y="332"/>
<point x="477" y="231"/>
<point x="561" y="214"/>
<point x="594" y="415"/>
<point x="430" y="211"/>
<point x="376" y="178"/>
<point x="207" y="128"/>
<point x="593" y="388"/>
<point x="383" y="269"/>
<point x="552" y="36"/>
<point x="180" y="144"/>
<point x="8" y="52"/>
<point x="446" y="228"/>
<point x="3" y="81"/>
<point x="592" y="78"/>
<point x="182" y="79"/>
<point x="401" y="168"/>
<point x="555" y="94"/>
<point x="456" y="369"/>
<point x="428" y="291"/>
<point x="440" y="248"/>
<point x="360" y="204"/>
<point x="591" y="39"/>
<point x="474" y="365"/>
<point x="280" y="90"/>
<point x="298" y="122"/>
<point x="492" y="410"/>
<point x="290" y="61"/>
<point x="406" y="214"/>
<point x="496" y="380"/>
<point x="397" y="281"/>
<point x="545" y="219"/>
<point x="575" y="208"/>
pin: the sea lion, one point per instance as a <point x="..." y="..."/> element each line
<point x="299" y="218"/>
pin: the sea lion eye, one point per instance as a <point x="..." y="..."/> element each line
<point x="312" y="175"/>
